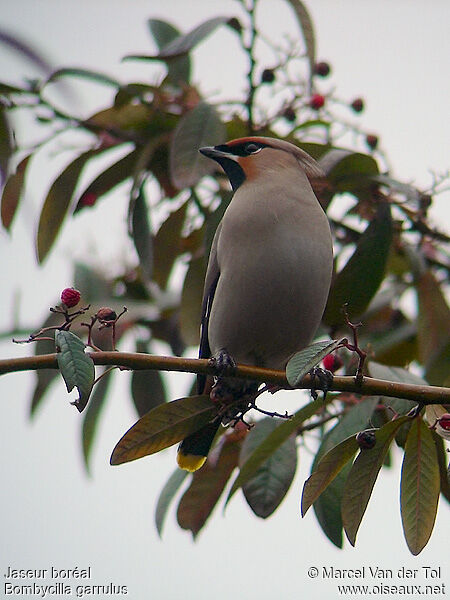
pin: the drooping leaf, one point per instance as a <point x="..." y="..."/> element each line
<point x="84" y="74"/>
<point x="349" y="171"/>
<point x="162" y="427"/>
<point x="443" y="466"/>
<point x="199" y="127"/>
<point x="362" y="477"/>
<point x="191" y="301"/>
<point x="107" y="180"/>
<point x="207" y="485"/>
<point x="327" y="469"/>
<point x="183" y="44"/>
<point x="57" y="204"/>
<point x="357" y="283"/>
<point x="433" y="329"/>
<point x="166" y="245"/>
<point x="26" y="50"/>
<point x="420" y="486"/>
<point x="327" y="507"/>
<point x="302" y="362"/>
<point x="76" y="367"/>
<point x="91" y="282"/>
<point x="147" y="386"/>
<point x="166" y="496"/>
<point x="6" y="144"/>
<point x="12" y="193"/>
<point x="307" y="29"/>
<point x="265" y="490"/>
<point x="92" y="416"/>
<point x="142" y="235"/>
<point x="178" y="70"/>
<point x="273" y="441"/>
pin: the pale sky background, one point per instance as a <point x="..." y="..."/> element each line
<point x="395" y="54"/>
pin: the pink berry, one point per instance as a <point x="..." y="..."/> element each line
<point x="88" y="199"/>
<point x="444" y="421"/>
<point x="372" y="141"/>
<point x="70" y="297"/>
<point x="316" y="101"/>
<point x="332" y="362"/>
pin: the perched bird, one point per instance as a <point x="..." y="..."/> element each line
<point x="269" y="268"/>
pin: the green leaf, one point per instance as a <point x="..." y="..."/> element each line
<point x="183" y="44"/>
<point x="327" y="469"/>
<point x="191" y="301"/>
<point x="349" y="171"/>
<point x="166" y="245"/>
<point x="92" y="416"/>
<point x="395" y="374"/>
<point x="207" y="485"/>
<point x="57" y="204"/>
<point x="179" y="70"/>
<point x="107" y="180"/>
<point x="12" y="193"/>
<point x="166" y="496"/>
<point x="77" y="368"/>
<point x="362" y="477"/>
<point x="93" y="284"/>
<point x="443" y="467"/>
<point x="162" y="427"/>
<point x="265" y="490"/>
<point x="84" y="74"/>
<point x="6" y="144"/>
<point x="419" y="487"/>
<point x="433" y="329"/>
<point x="273" y="441"/>
<point x="357" y="283"/>
<point x="142" y="236"/>
<point x="302" y="362"/>
<point x="147" y="386"/>
<point x="199" y="127"/>
<point x="307" y="29"/>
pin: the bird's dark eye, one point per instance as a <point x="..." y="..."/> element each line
<point x="252" y="148"/>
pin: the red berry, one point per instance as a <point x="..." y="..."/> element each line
<point x="366" y="439"/>
<point x="372" y="141"/>
<point x="332" y="362"/>
<point x="357" y="105"/>
<point x="268" y="76"/>
<point x="88" y="199"/>
<point x="70" y="297"/>
<point x="322" y="69"/>
<point x="444" y="421"/>
<point x="289" y="114"/>
<point x="316" y="101"/>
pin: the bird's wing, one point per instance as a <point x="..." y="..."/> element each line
<point x="211" y="280"/>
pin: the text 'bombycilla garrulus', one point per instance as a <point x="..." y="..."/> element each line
<point x="270" y="265"/>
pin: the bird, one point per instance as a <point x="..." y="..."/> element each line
<point x="269" y="269"/>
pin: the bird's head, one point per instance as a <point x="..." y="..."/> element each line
<point x="246" y="159"/>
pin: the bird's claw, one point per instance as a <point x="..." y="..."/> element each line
<point x="325" y="379"/>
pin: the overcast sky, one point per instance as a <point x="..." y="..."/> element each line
<point x="393" y="54"/>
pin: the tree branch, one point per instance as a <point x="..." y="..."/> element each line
<point x="136" y="361"/>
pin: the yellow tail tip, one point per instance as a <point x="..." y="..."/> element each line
<point x="190" y="462"/>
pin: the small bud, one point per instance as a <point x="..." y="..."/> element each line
<point x="332" y="362"/>
<point x="372" y="141"/>
<point x="289" y="114"/>
<point x="106" y="314"/>
<point x="70" y="297"/>
<point x="366" y="439"/>
<point x="357" y="105"/>
<point x="235" y="24"/>
<point x="316" y="101"/>
<point x="268" y="76"/>
<point x="322" y="69"/>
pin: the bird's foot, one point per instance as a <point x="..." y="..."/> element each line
<point x="324" y="378"/>
<point x="223" y="362"/>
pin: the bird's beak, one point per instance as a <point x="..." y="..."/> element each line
<point x="214" y="153"/>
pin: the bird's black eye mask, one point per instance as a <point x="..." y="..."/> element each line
<point x="243" y="149"/>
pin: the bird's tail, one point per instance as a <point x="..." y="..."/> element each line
<point x="194" y="449"/>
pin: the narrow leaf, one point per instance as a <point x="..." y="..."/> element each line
<point x="307" y="29"/>
<point x="179" y="70"/>
<point x="327" y="469"/>
<point x="142" y="236"/>
<point x="201" y="126"/>
<point x="302" y="362"/>
<point x="207" y="485"/>
<point x="166" y="496"/>
<point x="6" y="144"/>
<point x="265" y="490"/>
<point x="166" y="245"/>
<point x="357" y="283"/>
<point x="84" y="74"/>
<point x="92" y="416"/>
<point x="362" y="477"/>
<point x="147" y="386"/>
<point x="273" y="441"/>
<point x="162" y="427"/>
<point x="44" y="377"/>
<point x="420" y="486"/>
<point x="77" y="368"/>
<point x="12" y="193"/>
<point x="57" y="204"/>
<point x="400" y="375"/>
<point x="191" y="301"/>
